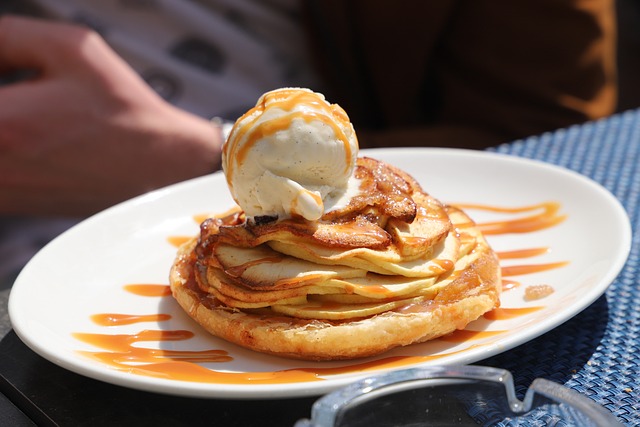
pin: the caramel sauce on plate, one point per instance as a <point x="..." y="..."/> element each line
<point x="120" y="352"/>
<point x="148" y="290"/>
<point x="522" y="253"/>
<point x="463" y="335"/>
<point x="178" y="241"/>
<point x="545" y="215"/>
<point x="127" y="352"/>
<point x="509" y="313"/>
<point x="516" y="270"/>
<point x="508" y="284"/>
<point x="115" y="319"/>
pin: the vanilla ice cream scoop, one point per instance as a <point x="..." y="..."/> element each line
<point x="292" y="155"/>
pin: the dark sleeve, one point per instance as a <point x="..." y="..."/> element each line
<point x="469" y="73"/>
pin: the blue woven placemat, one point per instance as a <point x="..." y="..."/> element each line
<point x="598" y="351"/>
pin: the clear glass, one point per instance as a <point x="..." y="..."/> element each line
<point x="454" y="396"/>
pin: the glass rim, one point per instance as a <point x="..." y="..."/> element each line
<point x="325" y="410"/>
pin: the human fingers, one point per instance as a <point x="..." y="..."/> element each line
<point x="37" y="44"/>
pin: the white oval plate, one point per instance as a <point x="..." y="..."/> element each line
<point x="83" y="271"/>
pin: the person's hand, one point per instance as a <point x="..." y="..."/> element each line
<point x="85" y="132"/>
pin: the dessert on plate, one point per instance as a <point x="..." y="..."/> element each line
<point x="328" y="255"/>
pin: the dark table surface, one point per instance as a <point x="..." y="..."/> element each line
<point x="596" y="353"/>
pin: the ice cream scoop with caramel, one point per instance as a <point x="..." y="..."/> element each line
<point x="328" y="255"/>
<point x="292" y="155"/>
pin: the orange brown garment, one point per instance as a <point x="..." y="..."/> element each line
<point x="465" y="73"/>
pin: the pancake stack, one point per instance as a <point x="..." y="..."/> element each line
<point x="392" y="267"/>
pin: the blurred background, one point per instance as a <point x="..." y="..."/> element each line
<point x="628" y="53"/>
<point x="628" y="13"/>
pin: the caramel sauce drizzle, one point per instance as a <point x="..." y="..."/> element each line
<point x="374" y="289"/>
<point x="546" y="217"/>
<point x="463" y="335"/>
<point x="148" y="290"/>
<point x="121" y="351"/>
<point x="516" y="270"/>
<point x="199" y="219"/>
<point x="178" y="241"/>
<point x="509" y="313"/>
<point x="118" y="319"/>
<point x="508" y="284"/>
<point x="522" y="253"/>
<point x="444" y="265"/>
